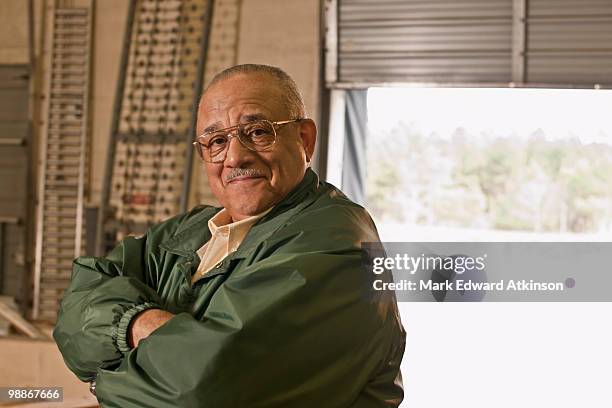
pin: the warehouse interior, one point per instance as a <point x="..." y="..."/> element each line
<point x="427" y="112"/>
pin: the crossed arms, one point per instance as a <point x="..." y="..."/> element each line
<point x="292" y="328"/>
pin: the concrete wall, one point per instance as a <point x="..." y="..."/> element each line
<point x="284" y="33"/>
<point x="109" y="25"/>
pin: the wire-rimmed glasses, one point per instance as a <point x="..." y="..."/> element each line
<point x="258" y="136"/>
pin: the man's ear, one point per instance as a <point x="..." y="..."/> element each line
<point x="308" y="136"/>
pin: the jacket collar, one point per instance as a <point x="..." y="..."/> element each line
<point x="190" y="237"/>
<point x="305" y="188"/>
<point x="193" y="235"/>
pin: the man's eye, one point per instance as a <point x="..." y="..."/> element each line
<point x="217" y="141"/>
<point x="257" y="131"/>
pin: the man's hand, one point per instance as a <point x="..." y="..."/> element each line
<point x="145" y="323"/>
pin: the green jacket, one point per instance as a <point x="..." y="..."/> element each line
<point x="288" y="320"/>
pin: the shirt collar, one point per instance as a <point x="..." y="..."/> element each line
<point x="222" y="220"/>
<point x="234" y="232"/>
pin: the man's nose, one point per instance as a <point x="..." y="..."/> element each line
<point x="237" y="154"/>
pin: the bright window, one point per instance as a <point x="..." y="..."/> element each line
<point x="490" y="164"/>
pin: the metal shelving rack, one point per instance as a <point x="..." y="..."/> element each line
<point x="64" y="148"/>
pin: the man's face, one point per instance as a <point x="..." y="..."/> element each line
<point x="247" y="182"/>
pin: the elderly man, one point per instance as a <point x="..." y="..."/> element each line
<point x="261" y="303"/>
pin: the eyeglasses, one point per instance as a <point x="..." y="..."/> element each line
<point x="257" y="136"/>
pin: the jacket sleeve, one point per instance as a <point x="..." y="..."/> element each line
<point x="298" y="328"/>
<point x="103" y="296"/>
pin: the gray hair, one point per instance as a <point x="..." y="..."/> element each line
<point x="293" y="98"/>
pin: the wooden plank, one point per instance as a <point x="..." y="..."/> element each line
<point x="21" y="324"/>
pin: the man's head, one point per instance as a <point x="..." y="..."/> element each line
<point x="248" y="182"/>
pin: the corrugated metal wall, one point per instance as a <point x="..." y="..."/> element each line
<point x="424" y="40"/>
<point x="569" y="41"/>
<point x="563" y="42"/>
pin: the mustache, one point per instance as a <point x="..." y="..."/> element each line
<point x="243" y="173"/>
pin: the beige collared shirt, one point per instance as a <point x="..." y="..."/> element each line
<point x="225" y="239"/>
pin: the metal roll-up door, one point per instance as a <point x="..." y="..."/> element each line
<point x="14" y="180"/>
<point x="435" y="41"/>
<point x="556" y="43"/>
<point x="569" y="42"/>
